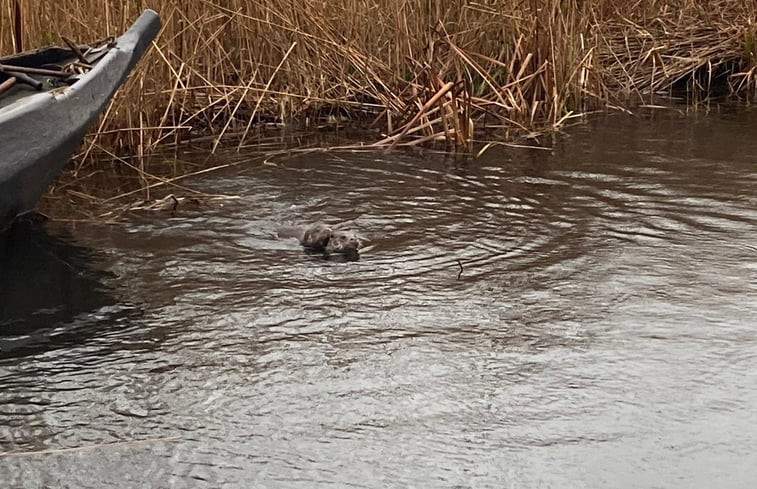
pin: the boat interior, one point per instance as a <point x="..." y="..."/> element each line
<point x="47" y="68"/>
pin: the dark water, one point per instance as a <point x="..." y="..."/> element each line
<point x="603" y="332"/>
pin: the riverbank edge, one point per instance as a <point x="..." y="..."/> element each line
<point x="416" y="73"/>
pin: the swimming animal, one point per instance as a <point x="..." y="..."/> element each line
<point x="321" y="237"/>
<point x="311" y="236"/>
<point x="344" y="242"/>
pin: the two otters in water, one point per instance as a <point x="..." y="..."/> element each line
<point x="320" y="237"/>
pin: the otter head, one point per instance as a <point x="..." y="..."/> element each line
<point x="317" y="236"/>
<point x="343" y="242"/>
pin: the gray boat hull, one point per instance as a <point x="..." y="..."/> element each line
<point x="40" y="132"/>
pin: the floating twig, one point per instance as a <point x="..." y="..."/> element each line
<point x="459" y="264"/>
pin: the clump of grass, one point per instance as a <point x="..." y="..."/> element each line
<point x="420" y="71"/>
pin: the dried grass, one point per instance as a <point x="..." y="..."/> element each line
<point x="422" y="71"/>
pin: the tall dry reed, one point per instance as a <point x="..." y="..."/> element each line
<point x="420" y="70"/>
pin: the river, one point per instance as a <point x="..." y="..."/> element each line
<point x="572" y="317"/>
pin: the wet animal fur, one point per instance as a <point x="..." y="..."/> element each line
<point x="320" y="237"/>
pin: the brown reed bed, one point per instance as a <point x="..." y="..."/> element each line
<point x="416" y="71"/>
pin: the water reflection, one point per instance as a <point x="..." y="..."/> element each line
<point x="602" y="328"/>
<point x="49" y="291"/>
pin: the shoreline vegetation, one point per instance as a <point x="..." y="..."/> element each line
<point x="415" y="71"/>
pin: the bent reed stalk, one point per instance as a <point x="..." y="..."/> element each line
<point x="420" y="70"/>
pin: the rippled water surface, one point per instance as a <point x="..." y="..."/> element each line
<point x="602" y="333"/>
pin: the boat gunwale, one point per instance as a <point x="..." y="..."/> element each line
<point x="40" y="132"/>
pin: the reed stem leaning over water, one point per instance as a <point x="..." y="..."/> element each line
<point x="516" y="66"/>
